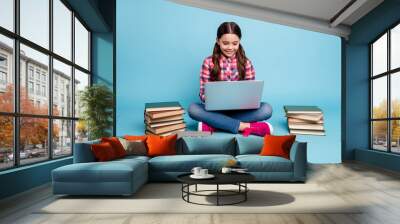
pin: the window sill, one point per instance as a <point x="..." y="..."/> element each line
<point x="17" y="169"/>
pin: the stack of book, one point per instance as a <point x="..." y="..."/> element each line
<point x="164" y="118"/>
<point x="305" y="120"/>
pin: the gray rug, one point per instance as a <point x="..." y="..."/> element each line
<point x="166" y="198"/>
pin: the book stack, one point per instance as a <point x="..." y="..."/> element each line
<point x="305" y="120"/>
<point x="164" y="118"/>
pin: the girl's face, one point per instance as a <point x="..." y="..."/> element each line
<point x="229" y="44"/>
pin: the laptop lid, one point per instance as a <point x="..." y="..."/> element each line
<point x="233" y="95"/>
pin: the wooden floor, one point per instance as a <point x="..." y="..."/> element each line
<point x="377" y="188"/>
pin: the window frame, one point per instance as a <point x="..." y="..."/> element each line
<point x="388" y="74"/>
<point x="16" y="114"/>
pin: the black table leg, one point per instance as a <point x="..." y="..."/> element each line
<point x="217" y="194"/>
<point x="245" y="193"/>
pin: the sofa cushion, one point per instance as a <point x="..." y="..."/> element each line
<point x="249" y="145"/>
<point x="214" y="144"/>
<point x="111" y="171"/>
<point x="103" y="152"/>
<point x="161" y="145"/>
<point x="116" y="145"/>
<point x="83" y="152"/>
<point x="277" y="145"/>
<point x="185" y="163"/>
<point x="257" y="163"/>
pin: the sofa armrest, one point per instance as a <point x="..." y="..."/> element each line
<point x="298" y="155"/>
<point x="83" y="152"/>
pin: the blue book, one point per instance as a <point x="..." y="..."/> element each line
<point x="162" y="106"/>
<point x="302" y="109"/>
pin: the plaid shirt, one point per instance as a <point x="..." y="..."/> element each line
<point x="229" y="71"/>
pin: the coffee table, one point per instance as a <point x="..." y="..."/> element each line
<point x="238" y="179"/>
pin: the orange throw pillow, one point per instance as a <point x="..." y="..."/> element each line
<point x="135" y="137"/>
<point x="161" y="145"/>
<point x="277" y="145"/>
<point x="116" y="145"/>
<point x="103" y="152"/>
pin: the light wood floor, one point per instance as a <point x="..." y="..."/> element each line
<point x="377" y="188"/>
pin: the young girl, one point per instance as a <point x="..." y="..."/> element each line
<point x="229" y="63"/>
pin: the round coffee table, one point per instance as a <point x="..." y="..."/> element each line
<point x="238" y="179"/>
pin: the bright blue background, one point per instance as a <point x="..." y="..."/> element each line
<point x="161" y="45"/>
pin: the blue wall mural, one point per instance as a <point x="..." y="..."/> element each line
<point x="161" y="45"/>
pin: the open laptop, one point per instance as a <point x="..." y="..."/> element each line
<point x="233" y="95"/>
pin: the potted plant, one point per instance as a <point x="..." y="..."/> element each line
<point x="96" y="102"/>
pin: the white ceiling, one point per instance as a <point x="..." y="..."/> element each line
<point x="326" y="16"/>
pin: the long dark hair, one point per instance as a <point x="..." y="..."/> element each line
<point x="228" y="28"/>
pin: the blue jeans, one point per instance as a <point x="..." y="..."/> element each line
<point x="229" y="120"/>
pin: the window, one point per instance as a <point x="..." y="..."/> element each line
<point x="30" y="72"/>
<point x="7" y="14"/>
<point x="3" y="61"/>
<point x="62" y="31"/>
<point x="30" y="87"/>
<point x="3" y="78"/>
<point x="44" y="131"/>
<point x="35" y="21"/>
<point x="6" y="73"/>
<point x="81" y="45"/>
<point x="385" y="91"/>
<point x="44" y="91"/>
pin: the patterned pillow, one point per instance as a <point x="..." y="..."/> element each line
<point x="134" y="147"/>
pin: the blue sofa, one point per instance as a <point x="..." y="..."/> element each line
<point x="125" y="176"/>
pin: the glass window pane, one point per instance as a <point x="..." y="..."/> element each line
<point x="379" y="97"/>
<point x="379" y="135"/>
<point x="81" y="45"/>
<point x="6" y="142"/>
<point x="33" y="139"/>
<point x="62" y="89"/>
<point x="34" y="80"/>
<point x="62" y="29"/>
<point x="6" y="74"/>
<point x="34" y="16"/>
<point x="81" y="81"/>
<point x="62" y="138"/>
<point x="379" y="56"/>
<point x="395" y="136"/>
<point x="395" y="47"/>
<point x="395" y="94"/>
<point x="7" y="14"/>
<point x="81" y="131"/>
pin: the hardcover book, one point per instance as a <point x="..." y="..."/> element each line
<point x="162" y="106"/>
<point x="161" y="124"/>
<point x="302" y="110"/>
<point x="161" y="114"/>
<point x="319" y="127"/>
<point x="161" y="130"/>
<point x="163" y="119"/>
<point x="306" y="132"/>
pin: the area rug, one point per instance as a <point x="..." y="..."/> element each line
<point x="167" y="198"/>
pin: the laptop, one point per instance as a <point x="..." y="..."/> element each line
<point x="233" y="95"/>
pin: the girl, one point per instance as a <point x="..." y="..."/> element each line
<point x="229" y="63"/>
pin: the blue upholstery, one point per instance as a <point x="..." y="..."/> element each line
<point x="298" y="155"/>
<point x="125" y="176"/>
<point x="119" y="177"/>
<point x="184" y="163"/>
<point x="220" y="144"/>
<point x="83" y="152"/>
<point x="257" y="163"/>
<point x="249" y="145"/>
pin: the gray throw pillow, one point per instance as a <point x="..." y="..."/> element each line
<point x="137" y="148"/>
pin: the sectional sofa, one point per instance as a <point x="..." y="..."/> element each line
<point x="125" y="176"/>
